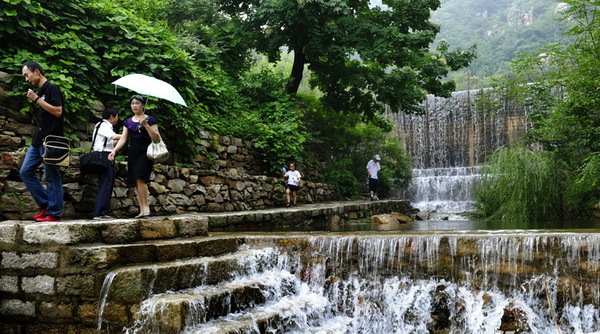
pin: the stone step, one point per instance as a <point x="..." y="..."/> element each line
<point x="171" y="312"/>
<point x="280" y="317"/>
<point x="119" y="231"/>
<point x="116" y="231"/>
<point x="100" y="256"/>
<point x="128" y="286"/>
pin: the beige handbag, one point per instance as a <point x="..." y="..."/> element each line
<point x="157" y="151"/>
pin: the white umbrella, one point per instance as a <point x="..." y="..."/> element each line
<point x="151" y="86"/>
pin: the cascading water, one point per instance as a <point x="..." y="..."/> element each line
<point x="449" y="142"/>
<point x="378" y="284"/>
<point x="444" y="189"/>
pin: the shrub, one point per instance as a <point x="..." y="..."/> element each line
<point x="520" y="185"/>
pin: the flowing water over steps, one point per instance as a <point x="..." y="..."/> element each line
<point x="167" y="311"/>
<point x="130" y="285"/>
<point x="451" y="140"/>
<point x="367" y="283"/>
<point x="52" y="274"/>
<point x="443" y="189"/>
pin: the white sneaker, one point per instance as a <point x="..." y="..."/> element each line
<point x="103" y="218"/>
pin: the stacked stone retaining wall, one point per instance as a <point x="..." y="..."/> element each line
<point x="173" y="190"/>
<point x="228" y="175"/>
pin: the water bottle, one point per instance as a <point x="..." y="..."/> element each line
<point x="283" y="169"/>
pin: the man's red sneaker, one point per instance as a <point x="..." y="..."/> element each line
<point x="40" y="215"/>
<point x="48" y="218"/>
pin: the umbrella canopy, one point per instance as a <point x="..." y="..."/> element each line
<point x="150" y="86"/>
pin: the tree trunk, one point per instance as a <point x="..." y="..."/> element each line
<point x="297" y="71"/>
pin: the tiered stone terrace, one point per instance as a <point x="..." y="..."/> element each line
<point x="51" y="274"/>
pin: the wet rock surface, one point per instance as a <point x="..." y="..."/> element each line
<point x="52" y="274"/>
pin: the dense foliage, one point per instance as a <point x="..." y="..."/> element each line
<point x="360" y="56"/>
<point x="347" y="146"/>
<point x="560" y="85"/>
<point x="213" y="52"/>
<point x="501" y="30"/>
<point x="84" y="46"/>
<point x="522" y="186"/>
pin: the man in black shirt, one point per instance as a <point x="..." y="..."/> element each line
<point x="50" y="122"/>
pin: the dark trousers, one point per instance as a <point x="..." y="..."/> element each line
<point x="51" y="197"/>
<point x="373" y="185"/>
<point x="106" y="184"/>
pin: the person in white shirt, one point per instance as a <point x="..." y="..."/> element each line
<point x="293" y="184"/>
<point x="105" y="139"/>
<point x="373" y="168"/>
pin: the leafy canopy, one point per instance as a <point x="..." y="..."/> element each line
<point x="85" y="45"/>
<point x="560" y="86"/>
<point x="501" y="30"/>
<point x="359" y="56"/>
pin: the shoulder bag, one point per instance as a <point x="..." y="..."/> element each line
<point x="57" y="150"/>
<point x="94" y="162"/>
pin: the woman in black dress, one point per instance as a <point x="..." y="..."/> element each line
<point x="142" y="130"/>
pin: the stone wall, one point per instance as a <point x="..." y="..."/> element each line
<point x="228" y="175"/>
<point x="172" y="190"/>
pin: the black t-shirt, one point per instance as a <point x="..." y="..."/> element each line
<point x="49" y="124"/>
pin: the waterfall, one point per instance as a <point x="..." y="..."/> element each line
<point x="443" y="189"/>
<point x="104" y="295"/>
<point x="450" y="141"/>
<point x="476" y="283"/>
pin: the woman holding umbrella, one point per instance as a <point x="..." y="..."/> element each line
<point x="142" y="130"/>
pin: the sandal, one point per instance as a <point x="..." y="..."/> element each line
<point x="142" y="215"/>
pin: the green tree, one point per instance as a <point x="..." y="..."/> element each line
<point x="203" y="30"/>
<point x="519" y="185"/>
<point x="342" y="146"/>
<point x="84" y="46"/>
<point x="560" y="86"/>
<point x="359" y="56"/>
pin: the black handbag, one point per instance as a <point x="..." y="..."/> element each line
<point x="94" y="162"/>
